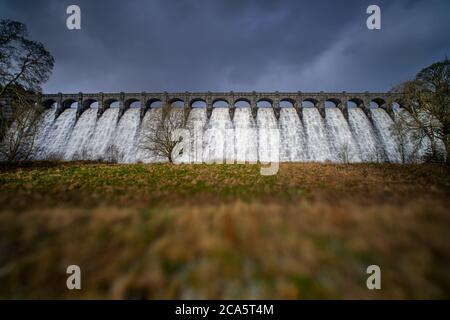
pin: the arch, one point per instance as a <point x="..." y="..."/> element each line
<point x="70" y="103"/>
<point x="197" y="103"/>
<point x="90" y="103"/>
<point x="153" y="103"/>
<point x="49" y="103"/>
<point x="242" y="103"/>
<point x="309" y="103"/>
<point x="111" y="103"/>
<point x="332" y="103"/>
<point x="176" y="103"/>
<point x="377" y="103"/>
<point x="351" y="104"/>
<point x="132" y="103"/>
<point x="264" y="103"/>
<point x="135" y="104"/>
<point x="287" y="103"/>
<point x="220" y="103"/>
<point x="358" y="102"/>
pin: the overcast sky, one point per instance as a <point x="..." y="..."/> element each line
<point x="240" y="45"/>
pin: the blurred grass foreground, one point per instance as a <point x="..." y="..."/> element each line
<point x="165" y="231"/>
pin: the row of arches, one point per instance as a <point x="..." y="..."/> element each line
<point x="218" y="103"/>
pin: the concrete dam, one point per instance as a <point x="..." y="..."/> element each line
<point x="224" y="127"/>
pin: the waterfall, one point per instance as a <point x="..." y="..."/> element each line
<point x="218" y="139"/>
<point x="84" y="128"/>
<point x="293" y="140"/>
<point x="383" y="124"/>
<point x="58" y="135"/>
<point x="103" y="134"/>
<point x="124" y="146"/>
<point x="246" y="136"/>
<point x="342" y="143"/>
<point x="316" y="136"/>
<point x="195" y="124"/>
<point x="43" y="130"/>
<point x="222" y="138"/>
<point x="365" y="136"/>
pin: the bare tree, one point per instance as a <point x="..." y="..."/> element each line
<point x="18" y="137"/>
<point x="160" y="137"/>
<point x="23" y="63"/>
<point x="344" y="153"/>
<point x="409" y="137"/>
<point x="24" y="66"/>
<point x="427" y="99"/>
<point x="112" y="155"/>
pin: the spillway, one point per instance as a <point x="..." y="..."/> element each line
<point x="218" y="138"/>
<point x="341" y="140"/>
<point x="53" y="145"/>
<point x="103" y="134"/>
<point x="369" y="146"/>
<point x="246" y="136"/>
<point x="81" y="134"/>
<point x="124" y="145"/>
<point x="293" y="140"/>
<point x="225" y="136"/>
<point x="383" y="125"/>
<point x="268" y="136"/>
<point x="316" y="136"/>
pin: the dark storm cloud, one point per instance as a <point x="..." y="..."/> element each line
<point x="245" y="45"/>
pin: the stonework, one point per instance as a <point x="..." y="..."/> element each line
<point x="146" y="100"/>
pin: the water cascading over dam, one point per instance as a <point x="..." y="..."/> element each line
<point x="222" y="134"/>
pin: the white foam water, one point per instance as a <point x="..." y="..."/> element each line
<point x="58" y="135"/>
<point x="81" y="134"/>
<point x="316" y="136"/>
<point x="340" y="137"/>
<point x="383" y="125"/>
<point x="218" y="138"/>
<point x="268" y="136"/>
<point x="103" y="134"/>
<point x="293" y="140"/>
<point x="124" y="146"/>
<point x="365" y="136"/>
<point x="195" y="124"/>
<point x="246" y="136"/>
<point x="44" y="127"/>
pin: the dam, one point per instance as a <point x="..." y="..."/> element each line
<point x="231" y="126"/>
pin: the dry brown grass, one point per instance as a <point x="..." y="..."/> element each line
<point x="162" y="231"/>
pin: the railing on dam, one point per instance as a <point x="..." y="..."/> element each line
<point x="146" y="100"/>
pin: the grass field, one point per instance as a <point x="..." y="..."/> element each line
<point x="224" y="231"/>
